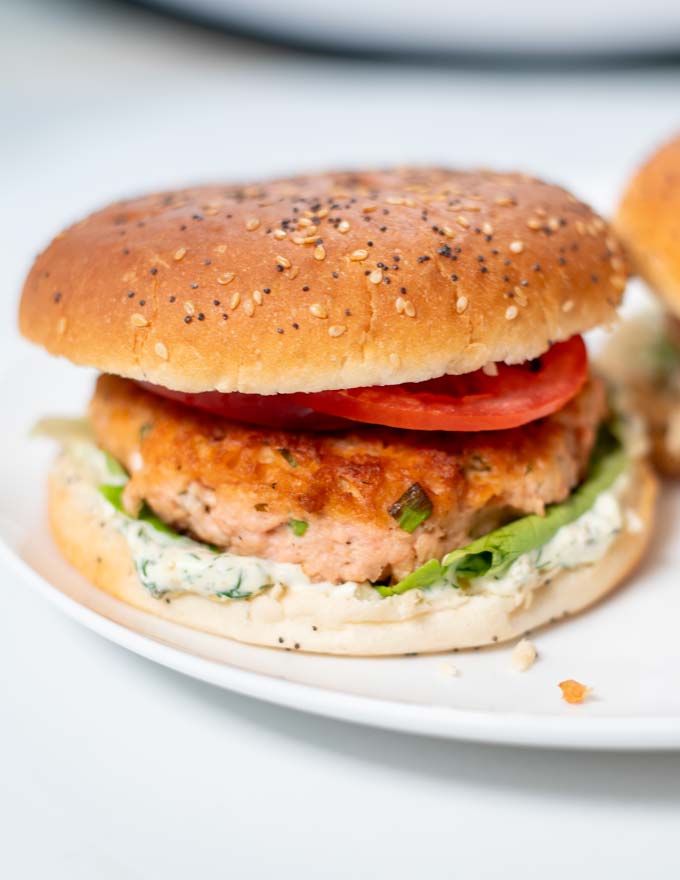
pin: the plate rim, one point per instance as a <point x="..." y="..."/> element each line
<point x="654" y="733"/>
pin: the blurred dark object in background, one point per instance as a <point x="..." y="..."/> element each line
<point x="521" y="28"/>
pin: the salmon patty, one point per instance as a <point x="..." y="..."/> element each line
<point x="324" y="501"/>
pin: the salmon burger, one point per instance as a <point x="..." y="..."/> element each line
<point x="347" y="413"/>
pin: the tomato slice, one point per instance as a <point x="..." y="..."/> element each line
<point x="471" y="402"/>
<point x="267" y="410"/>
<point x="475" y="401"/>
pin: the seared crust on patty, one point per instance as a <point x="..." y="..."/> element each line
<point x="239" y="487"/>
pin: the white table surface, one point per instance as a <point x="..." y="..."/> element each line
<point x="111" y="767"/>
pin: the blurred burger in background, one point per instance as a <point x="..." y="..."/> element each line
<point x="644" y="356"/>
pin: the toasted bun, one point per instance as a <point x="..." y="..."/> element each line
<point x="324" y="282"/>
<point x="336" y="624"/>
<point x="648" y="220"/>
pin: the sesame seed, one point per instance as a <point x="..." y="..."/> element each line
<point x="304" y="222"/>
<point x="220" y="249"/>
<point x="343" y="227"/>
<point x="180" y="254"/>
<point x="448" y="232"/>
<point x="511" y="313"/>
<point x="234" y="301"/>
<point x="252" y="224"/>
<point x="248" y="308"/>
<point x="487" y="229"/>
<point x="298" y="239"/>
<point x="257" y="297"/>
<point x="336" y="330"/>
<point x="567" y="305"/>
<point x="138" y="320"/>
<point x="161" y="351"/>
<point x="553" y="224"/>
<point x="318" y="310"/>
<point x="409" y="309"/>
<point x="395" y="200"/>
<point x="280" y="234"/>
<point x="461" y="304"/>
<point x="358" y="256"/>
<point x="516" y="247"/>
<point x="61" y="325"/>
<point x="463" y="221"/>
<point x="534" y="223"/>
<point x="504" y="201"/>
<point x="520" y="296"/>
<point x="319" y="252"/>
<point x="284" y="262"/>
<point x="189" y="308"/>
<point x="368" y="209"/>
<point x="400" y="305"/>
<point x="376" y="276"/>
<point x="226" y="278"/>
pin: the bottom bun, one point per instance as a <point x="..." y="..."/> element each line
<point x="322" y="622"/>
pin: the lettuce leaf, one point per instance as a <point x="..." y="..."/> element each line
<point x="494" y="553"/>
<point x="114" y="495"/>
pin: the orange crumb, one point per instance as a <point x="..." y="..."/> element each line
<point x="574" y="691"/>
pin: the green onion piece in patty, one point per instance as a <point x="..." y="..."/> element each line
<point x="412" y="508"/>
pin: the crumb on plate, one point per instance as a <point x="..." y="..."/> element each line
<point x="573" y="691"/>
<point x="523" y="655"/>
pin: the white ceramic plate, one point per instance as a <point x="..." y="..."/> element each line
<point x="627" y="648"/>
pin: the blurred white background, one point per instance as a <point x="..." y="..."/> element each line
<point x="112" y="768"/>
